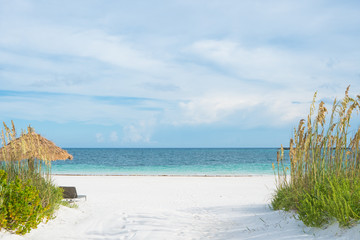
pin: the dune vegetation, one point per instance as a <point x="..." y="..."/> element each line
<point x="27" y="194"/>
<point x="320" y="181"/>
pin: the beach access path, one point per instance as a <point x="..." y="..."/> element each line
<point x="176" y="207"/>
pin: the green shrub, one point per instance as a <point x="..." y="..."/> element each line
<point x="21" y="207"/>
<point x="284" y="199"/>
<point x="3" y="186"/>
<point x="332" y="199"/>
<point x="27" y="194"/>
<point x="69" y="204"/>
<point x="25" y="203"/>
<point x="51" y="196"/>
<point x="312" y="208"/>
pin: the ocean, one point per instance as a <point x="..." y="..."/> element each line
<point x="168" y="161"/>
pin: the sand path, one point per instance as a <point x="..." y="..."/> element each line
<point x="148" y="207"/>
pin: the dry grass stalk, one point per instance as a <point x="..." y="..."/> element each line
<point x="318" y="149"/>
<point x="29" y="152"/>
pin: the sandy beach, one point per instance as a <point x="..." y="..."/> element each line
<point x="175" y="207"/>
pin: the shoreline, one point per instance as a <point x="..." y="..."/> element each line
<point x="165" y="175"/>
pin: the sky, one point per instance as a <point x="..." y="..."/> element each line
<point x="173" y="73"/>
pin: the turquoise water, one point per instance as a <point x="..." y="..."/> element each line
<point x="167" y="161"/>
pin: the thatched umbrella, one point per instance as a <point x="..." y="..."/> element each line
<point x="32" y="146"/>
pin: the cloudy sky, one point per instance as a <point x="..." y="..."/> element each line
<point x="173" y="73"/>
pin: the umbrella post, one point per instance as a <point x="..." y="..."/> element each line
<point x="31" y="163"/>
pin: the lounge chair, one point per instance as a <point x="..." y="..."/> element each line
<point x="71" y="195"/>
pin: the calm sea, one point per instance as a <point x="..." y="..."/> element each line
<point x="167" y="161"/>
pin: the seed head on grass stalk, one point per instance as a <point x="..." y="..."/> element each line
<point x="324" y="166"/>
<point x="26" y="161"/>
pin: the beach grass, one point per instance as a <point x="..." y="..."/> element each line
<point x="321" y="183"/>
<point x="27" y="194"/>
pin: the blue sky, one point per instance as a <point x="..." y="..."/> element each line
<point x="173" y="73"/>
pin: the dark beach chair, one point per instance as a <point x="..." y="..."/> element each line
<point x="71" y="195"/>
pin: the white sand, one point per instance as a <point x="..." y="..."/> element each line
<point x="150" y="207"/>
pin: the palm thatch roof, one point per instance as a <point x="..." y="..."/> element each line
<point x="30" y="146"/>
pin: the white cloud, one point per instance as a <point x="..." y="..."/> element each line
<point x="262" y="63"/>
<point x="94" y="44"/>
<point x="113" y="136"/>
<point x="66" y="108"/>
<point x="247" y="110"/>
<point x="138" y="133"/>
<point x="212" y="108"/>
<point x="99" y="137"/>
<point x="211" y="68"/>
